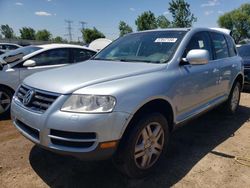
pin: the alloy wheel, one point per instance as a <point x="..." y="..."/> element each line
<point x="5" y="101"/>
<point x="235" y="98"/>
<point x="149" y="145"/>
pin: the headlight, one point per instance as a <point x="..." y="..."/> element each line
<point x="89" y="104"/>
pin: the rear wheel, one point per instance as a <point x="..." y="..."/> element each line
<point x="144" y="146"/>
<point x="5" y="102"/>
<point x="233" y="101"/>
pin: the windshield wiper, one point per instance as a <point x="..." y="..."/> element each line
<point x="137" y="60"/>
<point x="102" y="59"/>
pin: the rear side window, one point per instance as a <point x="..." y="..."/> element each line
<point x="231" y="46"/>
<point x="81" y="55"/>
<point x="220" y="46"/>
<point x="200" y="40"/>
<point x="11" y="47"/>
<point x="52" y="57"/>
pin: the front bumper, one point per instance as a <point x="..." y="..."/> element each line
<point x="78" y="135"/>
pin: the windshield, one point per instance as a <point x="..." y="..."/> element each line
<point x="148" y="47"/>
<point x="18" y="54"/>
<point x="244" y="51"/>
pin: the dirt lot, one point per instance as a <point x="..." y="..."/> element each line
<point x="199" y="156"/>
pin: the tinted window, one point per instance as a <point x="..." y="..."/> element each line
<point x="11" y="47"/>
<point x="52" y="57"/>
<point x="231" y="46"/>
<point x="81" y="55"/>
<point x="244" y="51"/>
<point x="147" y="47"/>
<point x="220" y="46"/>
<point x="200" y="40"/>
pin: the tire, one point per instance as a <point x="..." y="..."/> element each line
<point x="5" y="102"/>
<point x="232" y="103"/>
<point x="149" y="136"/>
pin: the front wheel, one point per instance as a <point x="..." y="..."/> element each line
<point x="144" y="146"/>
<point x="5" y="102"/>
<point x="233" y="101"/>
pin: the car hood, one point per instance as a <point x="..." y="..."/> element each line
<point x="67" y="79"/>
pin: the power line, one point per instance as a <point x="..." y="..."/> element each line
<point x="69" y="29"/>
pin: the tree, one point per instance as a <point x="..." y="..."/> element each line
<point x="238" y="21"/>
<point x="58" y="39"/>
<point x="124" y="28"/>
<point x="181" y="13"/>
<point x="43" y="35"/>
<point x="28" y="33"/>
<point x="146" y="21"/>
<point x="90" y="35"/>
<point x="7" y="31"/>
<point x="163" y="22"/>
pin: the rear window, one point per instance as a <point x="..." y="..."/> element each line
<point x="220" y="46"/>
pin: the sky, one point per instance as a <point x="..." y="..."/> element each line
<point x="105" y="15"/>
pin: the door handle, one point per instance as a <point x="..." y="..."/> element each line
<point x="234" y="65"/>
<point x="215" y="70"/>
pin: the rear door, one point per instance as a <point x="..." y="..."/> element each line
<point x="47" y="60"/>
<point x="224" y="60"/>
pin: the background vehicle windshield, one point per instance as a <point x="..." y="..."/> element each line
<point x="17" y="54"/>
<point x="149" y="47"/>
<point x="244" y="51"/>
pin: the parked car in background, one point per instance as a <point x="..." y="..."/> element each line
<point x="18" y="64"/>
<point x="99" y="44"/>
<point x="126" y="100"/>
<point x="5" y="47"/>
<point x="244" y="52"/>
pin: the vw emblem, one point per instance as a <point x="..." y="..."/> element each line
<point x="28" y="97"/>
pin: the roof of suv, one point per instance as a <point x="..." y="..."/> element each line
<point x="220" y="30"/>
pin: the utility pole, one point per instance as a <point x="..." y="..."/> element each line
<point x="83" y="24"/>
<point x="69" y="29"/>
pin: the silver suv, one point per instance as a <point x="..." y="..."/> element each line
<point x="126" y="100"/>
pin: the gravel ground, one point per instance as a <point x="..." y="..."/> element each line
<point x="200" y="155"/>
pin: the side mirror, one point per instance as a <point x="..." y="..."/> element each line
<point x="197" y="57"/>
<point x="29" y="63"/>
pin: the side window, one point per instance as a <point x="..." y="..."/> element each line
<point x="231" y="47"/>
<point x="220" y="46"/>
<point x="11" y="47"/>
<point x="52" y="57"/>
<point x="81" y="55"/>
<point x="200" y="40"/>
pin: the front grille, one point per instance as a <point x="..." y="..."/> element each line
<point x="72" y="139"/>
<point x="29" y="130"/>
<point x="41" y="100"/>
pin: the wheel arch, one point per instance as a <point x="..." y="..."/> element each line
<point x="239" y="78"/>
<point x="7" y="87"/>
<point x="154" y="105"/>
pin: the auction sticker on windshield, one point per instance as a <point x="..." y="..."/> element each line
<point x="170" y="40"/>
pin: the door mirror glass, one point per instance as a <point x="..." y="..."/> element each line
<point x="197" y="57"/>
<point x="29" y="63"/>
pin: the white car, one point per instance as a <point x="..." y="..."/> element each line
<point x="5" y="47"/>
<point x="18" y="64"/>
